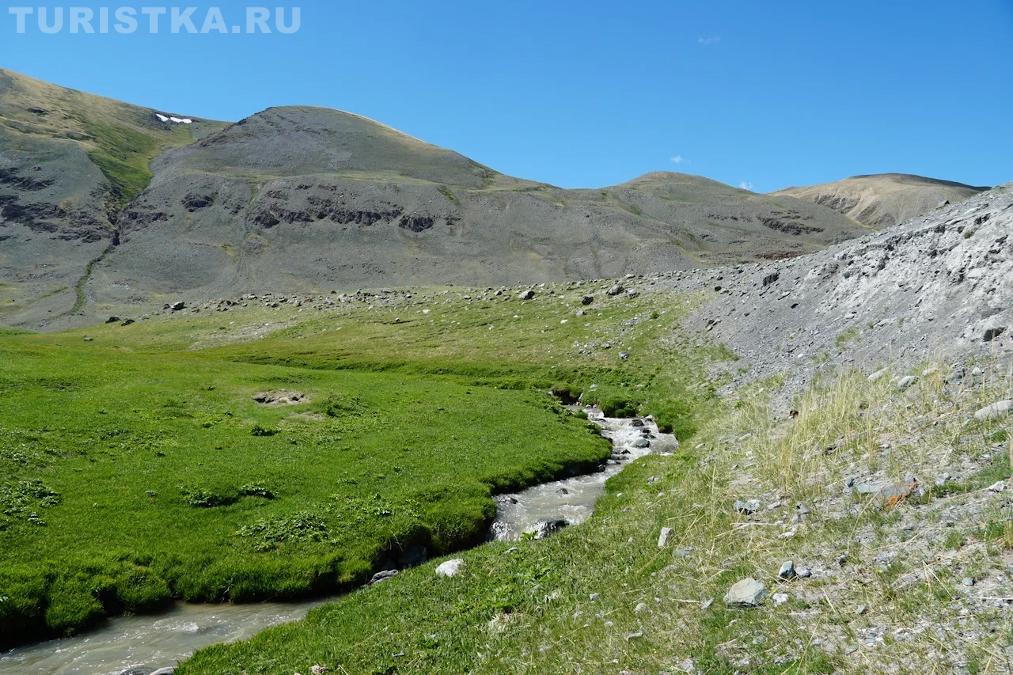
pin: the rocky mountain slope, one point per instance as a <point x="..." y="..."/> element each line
<point x="885" y="199"/>
<point x="99" y="211"/>
<point x="305" y="198"/>
<point x="68" y="163"/>
<point x="938" y="285"/>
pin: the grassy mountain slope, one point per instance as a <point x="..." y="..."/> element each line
<point x="886" y="199"/>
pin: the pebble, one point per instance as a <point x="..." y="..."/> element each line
<point x="666" y="534"/>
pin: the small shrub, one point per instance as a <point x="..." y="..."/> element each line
<point x="205" y="499"/>
<point x="258" y="430"/>
<point x="256" y="490"/>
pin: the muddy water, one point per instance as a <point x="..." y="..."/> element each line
<point x="142" y="644"/>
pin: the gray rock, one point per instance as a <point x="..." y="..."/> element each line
<point x="641" y="443"/>
<point x="879" y="375"/>
<point x="383" y="576"/>
<point x="994" y="411"/>
<point x="967" y="581"/>
<point x="547" y="528"/>
<point x="587" y="300"/>
<point x="450" y="568"/>
<point x="746" y="593"/>
<point x="666" y="534"/>
<point x="787" y="570"/>
<point x="747" y="507"/>
<point x="526" y="295"/>
<point x="617" y="289"/>
<point x="906" y="382"/>
<point x="779" y="599"/>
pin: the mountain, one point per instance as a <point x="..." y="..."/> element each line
<point x="304" y="198"/>
<point x="105" y="205"/>
<point x="883" y="200"/>
<point x="68" y="163"/>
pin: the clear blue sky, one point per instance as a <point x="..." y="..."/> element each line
<point x="592" y="93"/>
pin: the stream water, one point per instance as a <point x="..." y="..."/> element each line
<point x="142" y="644"/>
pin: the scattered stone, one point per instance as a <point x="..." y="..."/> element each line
<point x="906" y="382"/>
<point x="526" y="295"/>
<point x="747" y="507"/>
<point x="787" y="570"/>
<point x="587" y="300"/>
<point x="706" y="604"/>
<point x="280" y="398"/>
<point x="804" y="572"/>
<point x="779" y="599"/>
<point x="967" y="581"/>
<point x="615" y="290"/>
<point x="746" y="593"/>
<point x="861" y="609"/>
<point x="879" y="375"/>
<point x="113" y="319"/>
<point x="634" y="636"/>
<point x="994" y="411"/>
<point x="641" y="443"/>
<point x="997" y="486"/>
<point x="176" y="306"/>
<point x="594" y="597"/>
<point x="318" y="670"/>
<point x="450" y="568"/>
<point x="547" y="528"/>
<point x="663" y="538"/>
<point x="640" y="608"/>
<point x="382" y="576"/>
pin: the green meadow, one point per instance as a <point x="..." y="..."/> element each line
<point x="136" y="468"/>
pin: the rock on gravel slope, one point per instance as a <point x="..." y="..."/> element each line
<point x="886" y="199"/>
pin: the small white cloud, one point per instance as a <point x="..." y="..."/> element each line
<point x="708" y="40"/>
<point x="746" y="185"/>
<point x="678" y="159"/>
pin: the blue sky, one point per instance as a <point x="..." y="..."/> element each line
<point x="590" y="93"/>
